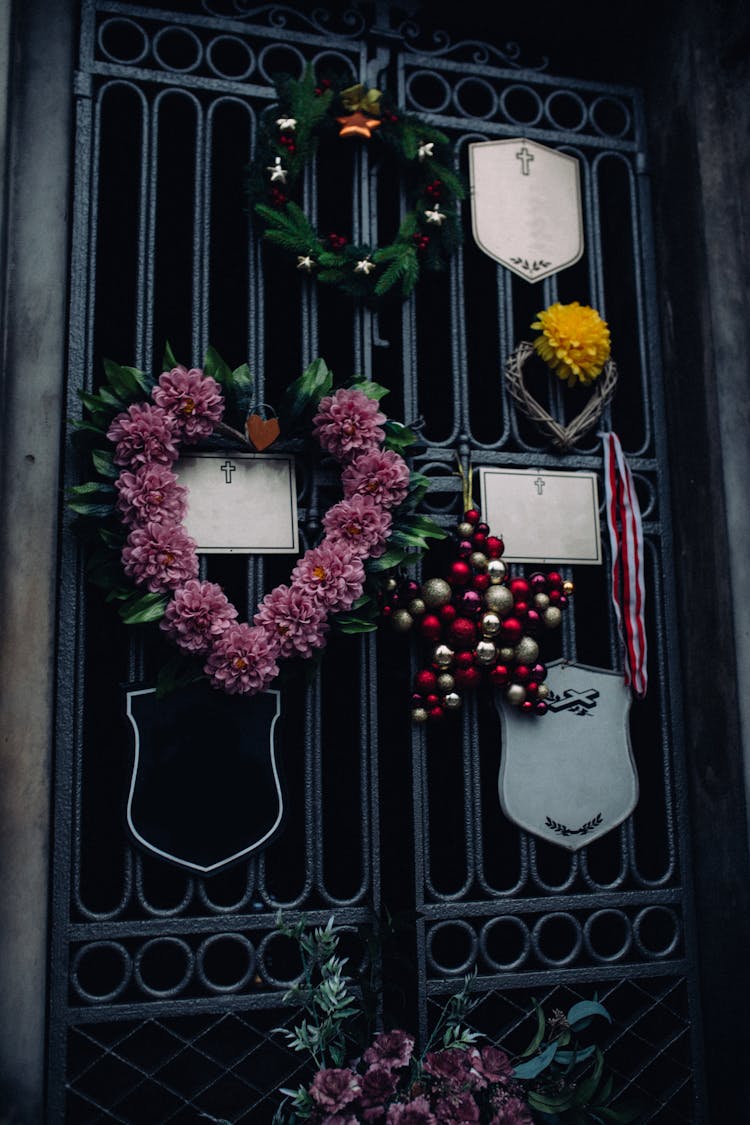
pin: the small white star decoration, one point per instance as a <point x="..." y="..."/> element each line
<point x="435" y="216"/>
<point x="364" y="266"/>
<point x="425" y="150"/>
<point x="277" y="172"/>
<point x="287" y="124"/>
<point x="305" y="262"/>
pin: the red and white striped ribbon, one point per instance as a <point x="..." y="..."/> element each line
<point x="626" y="541"/>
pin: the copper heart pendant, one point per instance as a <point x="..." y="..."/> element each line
<point x="262" y="432"/>
<point x="564" y="437"/>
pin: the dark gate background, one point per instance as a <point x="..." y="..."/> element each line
<point x="165" y="987"/>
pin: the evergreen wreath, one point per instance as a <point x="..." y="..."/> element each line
<point x="142" y="556"/>
<point x="307" y="111"/>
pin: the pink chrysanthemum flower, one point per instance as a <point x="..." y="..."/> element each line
<point x="330" y="574"/>
<point x="198" y="615"/>
<point x="159" y="556"/>
<point x="450" y="1066"/>
<point x="359" y="523"/>
<point x="415" y="1112"/>
<point x="334" y="1088"/>
<point x="294" y="619"/>
<point x="490" y="1064"/>
<point x="192" y="399"/>
<point x="382" y="475"/>
<point x="143" y="435"/>
<point x="150" y="495"/>
<point x="348" y="423"/>
<point x="512" y="1112"/>
<point x="242" y="662"/>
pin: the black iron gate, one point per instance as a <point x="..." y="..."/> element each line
<point x="165" y="987"/>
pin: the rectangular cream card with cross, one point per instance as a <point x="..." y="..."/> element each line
<point x="544" y="517"/>
<point x="240" y="503"/>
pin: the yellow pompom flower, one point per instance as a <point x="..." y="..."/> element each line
<point x="574" y="341"/>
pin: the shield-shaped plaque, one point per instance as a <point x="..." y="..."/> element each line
<point x="569" y="776"/>
<point x="205" y="790"/>
<point x="526" y="206"/>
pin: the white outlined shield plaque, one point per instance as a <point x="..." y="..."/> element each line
<point x="569" y="776"/>
<point x="526" y="206"/>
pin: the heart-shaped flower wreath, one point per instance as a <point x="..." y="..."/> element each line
<point x="184" y="407"/>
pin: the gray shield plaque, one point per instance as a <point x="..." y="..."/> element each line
<point x="526" y="206"/>
<point x="569" y="776"/>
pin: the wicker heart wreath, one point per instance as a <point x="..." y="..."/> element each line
<point x="138" y="506"/>
<point x="574" y="342"/>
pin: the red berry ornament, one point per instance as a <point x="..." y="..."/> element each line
<point x="425" y="681"/>
<point x="460" y="573"/>
<point x="431" y="627"/>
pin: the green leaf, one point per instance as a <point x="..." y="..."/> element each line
<point x="217" y="368"/>
<point x="127" y="382"/>
<point x="572" y="1058"/>
<point x="305" y="393"/>
<point x="398" y="436"/>
<point x="587" y="1088"/>
<point x="535" y="1066"/>
<point x="372" y="390"/>
<point x="83" y="508"/>
<point x="549" y="1103"/>
<point x="143" y="608"/>
<point x="242" y="379"/>
<point x="169" y="361"/>
<point x="104" y="464"/>
<point x="92" y="487"/>
<point x="541" y="1023"/>
<point x="179" y="671"/>
<point x="392" y="557"/>
<point x="422" y="525"/>
<point x="581" y="1014"/>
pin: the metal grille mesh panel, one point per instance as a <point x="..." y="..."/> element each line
<point x="166" y="987"/>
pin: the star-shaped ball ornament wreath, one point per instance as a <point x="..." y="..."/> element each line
<point x="479" y="625"/>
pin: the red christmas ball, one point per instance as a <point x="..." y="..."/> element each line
<point x="459" y="573"/>
<point x="483" y="528"/>
<point x="387" y="610"/>
<point x="462" y="661"/>
<point x="436" y="713"/>
<point x="538" y="582"/>
<point x="410" y="589"/>
<point x="466" y="677"/>
<point x="520" y="609"/>
<point x="431" y="627"/>
<point x="520" y="589"/>
<point x="470" y="602"/>
<point x="479" y="539"/>
<point x="432" y="700"/>
<point x="541" y="707"/>
<point x="499" y="675"/>
<point x="554" y="597"/>
<point x="494" y="546"/>
<point x="531" y="689"/>
<point x="471" y="516"/>
<point x="554" y="580"/>
<point x="462" y="634"/>
<point x="447" y="613"/>
<point x="481" y="582"/>
<point x="511" y="630"/>
<point x="527" y="705"/>
<point x="425" y="681"/>
<point x="521" y="674"/>
<point x="464" y="549"/>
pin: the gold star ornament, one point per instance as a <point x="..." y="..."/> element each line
<point x="364" y="266"/>
<point x="357" y="125"/>
<point x="425" y="150"/>
<point x="305" y="263"/>
<point x="287" y="124"/>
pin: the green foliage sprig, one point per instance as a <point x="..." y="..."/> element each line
<point x="428" y="179"/>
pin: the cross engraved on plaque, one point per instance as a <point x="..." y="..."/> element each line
<point x="228" y="468"/>
<point x="539" y="485"/>
<point x="525" y="157"/>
